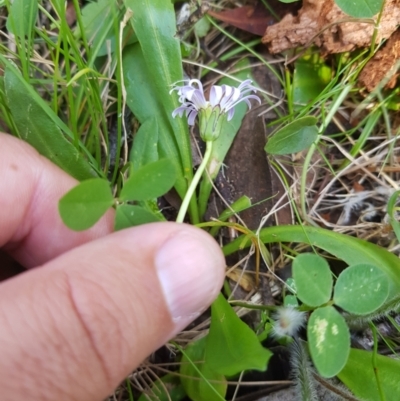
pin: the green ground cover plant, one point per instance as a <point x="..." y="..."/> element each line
<point x="108" y="102"/>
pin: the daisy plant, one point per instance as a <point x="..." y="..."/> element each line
<point x="212" y="113"/>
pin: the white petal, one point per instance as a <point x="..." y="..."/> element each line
<point x="244" y="99"/>
<point x="227" y="90"/>
<point x="244" y="84"/>
<point x="187" y="91"/>
<point x="199" y="84"/>
<point x="197" y="97"/>
<point x="191" y="117"/>
<point x="232" y="94"/>
<point x="179" y="111"/>
<point x="177" y="87"/>
<point x="216" y="94"/>
<point x="255" y="97"/>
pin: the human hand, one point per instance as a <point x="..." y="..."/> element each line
<point x="94" y="304"/>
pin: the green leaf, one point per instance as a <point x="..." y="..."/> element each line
<point x="360" y="8"/>
<point x="359" y="376"/>
<point x="290" y="300"/>
<point x="132" y="215"/>
<point x="153" y="180"/>
<point x="142" y="97"/>
<point x="166" y="388"/>
<point x="83" y="205"/>
<point x="195" y="375"/>
<point x="328" y="340"/>
<point x="296" y="136"/>
<point x="160" y="67"/>
<point x="145" y="103"/>
<point x="291" y="285"/>
<point x="231" y="345"/>
<point x="361" y="289"/>
<point x="313" y="279"/>
<point x="144" y="147"/>
<point x="39" y="126"/>
<point x="22" y="17"/>
<point x="97" y="20"/>
<point x="349" y="249"/>
<point x="310" y="77"/>
<point x="201" y="27"/>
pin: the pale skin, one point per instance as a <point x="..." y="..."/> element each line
<point x="92" y="305"/>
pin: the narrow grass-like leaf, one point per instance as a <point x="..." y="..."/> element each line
<point x="22" y="17"/>
<point x="195" y="373"/>
<point x="360" y="8"/>
<point x="360" y="377"/>
<point x="391" y="208"/>
<point x="313" y="279"/>
<point x="144" y="148"/>
<point x="133" y="215"/>
<point x="231" y="345"/>
<point x="151" y="181"/>
<point x="296" y="136"/>
<point x="349" y="249"/>
<point x="367" y="130"/>
<point x="83" y="205"/>
<point x="243" y="203"/>
<point x="38" y="125"/>
<point x="361" y="289"/>
<point x="329" y="340"/>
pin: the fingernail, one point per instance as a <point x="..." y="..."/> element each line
<point x="190" y="268"/>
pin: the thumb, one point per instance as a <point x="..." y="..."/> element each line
<point x="75" y="327"/>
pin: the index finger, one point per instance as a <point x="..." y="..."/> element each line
<point x="30" y="188"/>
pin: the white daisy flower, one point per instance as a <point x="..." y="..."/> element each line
<point x="212" y="112"/>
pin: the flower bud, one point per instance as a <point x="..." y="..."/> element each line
<point x="210" y="123"/>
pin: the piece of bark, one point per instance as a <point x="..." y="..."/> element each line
<point x="248" y="169"/>
<point x="321" y="22"/>
<point x="382" y="65"/>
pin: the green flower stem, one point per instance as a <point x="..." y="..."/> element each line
<point x="193" y="184"/>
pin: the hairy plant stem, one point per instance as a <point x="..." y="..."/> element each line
<point x="194" y="183"/>
<point x="302" y="372"/>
